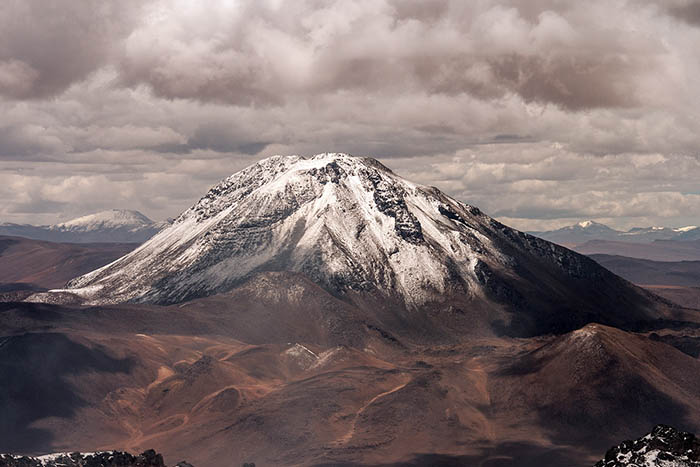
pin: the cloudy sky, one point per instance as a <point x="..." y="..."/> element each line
<point x="541" y="112"/>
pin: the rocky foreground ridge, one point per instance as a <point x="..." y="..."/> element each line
<point x="148" y="458"/>
<point x="663" y="447"/>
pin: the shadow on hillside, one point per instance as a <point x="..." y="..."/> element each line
<point x="511" y="454"/>
<point x="34" y="384"/>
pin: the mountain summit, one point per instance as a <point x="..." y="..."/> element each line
<point x="110" y="219"/>
<point x="363" y="233"/>
<point x="114" y="225"/>
<point x="579" y="233"/>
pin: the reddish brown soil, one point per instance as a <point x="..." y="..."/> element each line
<point x="195" y="382"/>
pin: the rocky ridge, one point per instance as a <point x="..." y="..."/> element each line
<point x="663" y="447"/>
<point x="148" y="458"/>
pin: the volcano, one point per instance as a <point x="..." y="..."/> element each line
<point x="374" y="239"/>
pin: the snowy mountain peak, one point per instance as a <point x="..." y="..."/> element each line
<point x="115" y="225"/>
<point x="365" y="235"/>
<point x="589" y="225"/>
<point x="277" y="171"/>
<point x="113" y="218"/>
<point x="347" y="222"/>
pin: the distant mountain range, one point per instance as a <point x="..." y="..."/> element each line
<point x="112" y="226"/>
<point x="590" y="230"/>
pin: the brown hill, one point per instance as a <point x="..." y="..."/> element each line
<point x="36" y="264"/>
<point x="598" y="384"/>
<point x="688" y="297"/>
<point x="647" y="272"/>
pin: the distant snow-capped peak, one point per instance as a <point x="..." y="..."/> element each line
<point x="115" y="225"/>
<point x="113" y="218"/>
<point x="589" y="230"/>
<point x="687" y="228"/>
<point x="587" y="225"/>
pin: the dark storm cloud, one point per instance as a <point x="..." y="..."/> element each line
<point x="575" y="83"/>
<point x="420" y="10"/>
<point x="29" y="142"/>
<point x="45" y="46"/>
<point x="688" y="11"/>
<point x="220" y="137"/>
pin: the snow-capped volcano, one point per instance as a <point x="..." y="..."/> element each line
<point x="344" y="221"/>
<point x="111" y="219"/>
<point x="586" y="225"/>
<point x="114" y="225"/>
<point x="354" y="227"/>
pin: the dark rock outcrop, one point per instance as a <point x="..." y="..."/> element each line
<point x="664" y="446"/>
<point x="148" y="458"/>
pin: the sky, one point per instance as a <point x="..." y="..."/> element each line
<point x="541" y="112"/>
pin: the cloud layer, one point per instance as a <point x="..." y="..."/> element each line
<point x="540" y="111"/>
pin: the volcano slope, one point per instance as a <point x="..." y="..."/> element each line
<point x="327" y="312"/>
